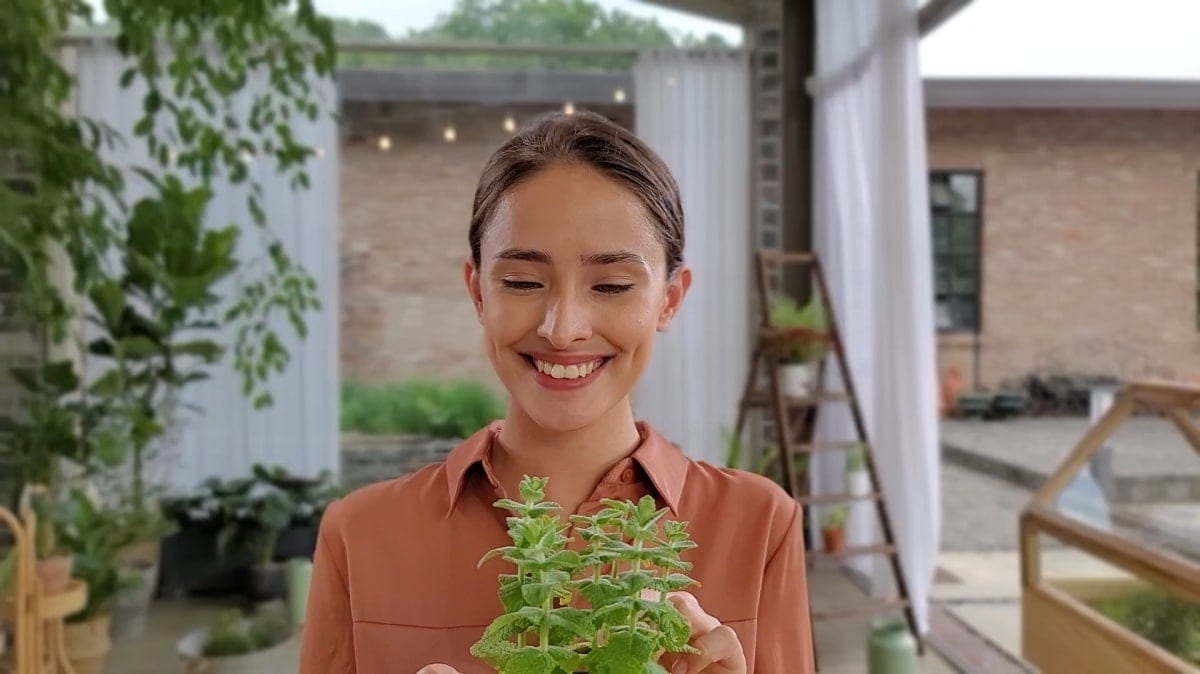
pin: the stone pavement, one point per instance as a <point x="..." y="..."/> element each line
<point x="1151" y="460"/>
<point x="979" y="512"/>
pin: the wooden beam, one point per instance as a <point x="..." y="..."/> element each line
<point x="1088" y="445"/>
<point x="937" y="12"/>
<point x="722" y="10"/>
<point x="1178" y="576"/>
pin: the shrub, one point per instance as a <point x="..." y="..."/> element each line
<point x="420" y="407"/>
<point x="1171" y="623"/>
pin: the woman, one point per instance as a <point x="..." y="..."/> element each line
<point x="576" y="262"/>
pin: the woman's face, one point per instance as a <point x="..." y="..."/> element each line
<point x="571" y="288"/>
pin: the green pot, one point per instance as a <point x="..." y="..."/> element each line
<point x="891" y="649"/>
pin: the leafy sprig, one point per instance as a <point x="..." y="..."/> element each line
<point x="603" y="609"/>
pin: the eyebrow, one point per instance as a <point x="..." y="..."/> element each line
<point x="531" y="255"/>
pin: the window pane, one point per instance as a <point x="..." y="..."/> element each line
<point x="963" y="229"/>
<point x="964" y="186"/>
<point x="941" y="233"/>
<point x="963" y="274"/>
<point x="962" y="312"/>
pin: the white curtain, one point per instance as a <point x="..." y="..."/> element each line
<point x="225" y="438"/>
<point x="693" y="108"/>
<point x="871" y="227"/>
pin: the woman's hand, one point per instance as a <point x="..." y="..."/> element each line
<point x="720" y="650"/>
<point x="438" y="669"/>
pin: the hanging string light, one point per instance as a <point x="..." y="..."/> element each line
<point x="619" y="95"/>
<point x="510" y="124"/>
<point x="320" y="152"/>
<point x="385" y="143"/>
<point x="449" y="134"/>
<point x="569" y="108"/>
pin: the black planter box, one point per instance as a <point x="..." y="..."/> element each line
<point x="190" y="563"/>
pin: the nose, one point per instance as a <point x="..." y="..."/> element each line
<point x="566" y="320"/>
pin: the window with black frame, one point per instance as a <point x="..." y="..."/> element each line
<point x="956" y="221"/>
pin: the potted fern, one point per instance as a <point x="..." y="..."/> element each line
<point x="603" y="609"/>
<point x="800" y="344"/>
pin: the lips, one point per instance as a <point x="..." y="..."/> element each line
<point x="563" y="367"/>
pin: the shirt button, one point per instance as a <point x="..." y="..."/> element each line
<point x="627" y="476"/>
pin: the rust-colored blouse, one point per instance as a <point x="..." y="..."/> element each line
<point x="395" y="585"/>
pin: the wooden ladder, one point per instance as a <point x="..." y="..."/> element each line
<point x="792" y="414"/>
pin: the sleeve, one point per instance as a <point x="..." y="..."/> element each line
<point x="328" y="640"/>
<point x="785" y="637"/>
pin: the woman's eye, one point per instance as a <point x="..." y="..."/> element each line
<point x="522" y="285"/>
<point x="612" y="288"/>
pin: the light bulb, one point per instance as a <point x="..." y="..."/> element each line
<point x="510" y="124"/>
<point x="619" y="95"/>
<point x="449" y="134"/>
<point x="569" y="108"/>
<point x="385" y="143"/>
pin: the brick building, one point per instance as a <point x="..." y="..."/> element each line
<point x="1084" y="200"/>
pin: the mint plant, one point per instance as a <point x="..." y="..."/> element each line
<point x="602" y="610"/>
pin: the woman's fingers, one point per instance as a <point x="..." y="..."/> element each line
<point x="699" y="621"/>
<point x="438" y="669"/>
<point x="720" y="650"/>
<point x="720" y="653"/>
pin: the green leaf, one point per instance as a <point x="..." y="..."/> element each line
<point x="626" y="652"/>
<point x="137" y="347"/>
<point x="530" y="660"/>
<point x="109" y="300"/>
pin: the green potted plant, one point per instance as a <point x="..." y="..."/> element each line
<point x="93" y="534"/>
<point x="630" y="562"/>
<point x="800" y="343"/>
<point x="833" y="528"/>
<point x="238" y="644"/>
<point x="257" y="516"/>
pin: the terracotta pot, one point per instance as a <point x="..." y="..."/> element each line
<point x="87" y="645"/>
<point x="834" y="538"/>
<point x="54" y="572"/>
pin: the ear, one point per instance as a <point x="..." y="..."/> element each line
<point x="471" y="278"/>
<point x="677" y="288"/>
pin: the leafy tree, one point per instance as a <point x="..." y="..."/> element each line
<point x="538" y="22"/>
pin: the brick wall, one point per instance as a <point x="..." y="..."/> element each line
<point x="1089" y="239"/>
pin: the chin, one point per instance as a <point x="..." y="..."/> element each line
<point x="561" y="418"/>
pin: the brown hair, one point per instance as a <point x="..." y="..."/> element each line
<point x="590" y="139"/>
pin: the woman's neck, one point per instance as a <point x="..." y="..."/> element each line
<point x="575" y="461"/>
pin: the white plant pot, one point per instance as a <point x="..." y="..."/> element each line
<point x="798" y="379"/>
<point x="283" y="657"/>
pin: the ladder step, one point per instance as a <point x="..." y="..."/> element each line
<point x="854" y="551"/>
<point x="861" y="609"/>
<point x="838" y="498"/>
<point x="766" y="400"/>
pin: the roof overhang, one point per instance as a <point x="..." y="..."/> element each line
<point x="733" y="11"/>
<point x="1061" y="93"/>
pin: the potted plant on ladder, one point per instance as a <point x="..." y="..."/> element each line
<point x="801" y="342"/>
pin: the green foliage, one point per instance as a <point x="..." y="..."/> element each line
<point x="420" y="407"/>
<point x="93" y="534"/>
<point x="856" y="458"/>
<point x="523" y="22"/>
<point x="807" y="328"/>
<point x="231" y="633"/>
<point x="1169" y="622"/>
<point x="835" y="517"/>
<point x="250" y="513"/>
<point x="69" y="198"/>
<point x="630" y="549"/>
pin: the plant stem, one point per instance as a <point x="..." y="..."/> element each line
<point x="637" y="566"/>
<point x="544" y="628"/>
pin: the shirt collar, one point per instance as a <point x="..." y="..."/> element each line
<point x="662" y="462"/>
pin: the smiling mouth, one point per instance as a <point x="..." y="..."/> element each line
<point x="560" y="371"/>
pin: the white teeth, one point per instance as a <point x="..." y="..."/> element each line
<point x="559" y="371"/>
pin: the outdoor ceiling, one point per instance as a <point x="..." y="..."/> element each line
<point x="733" y="11"/>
